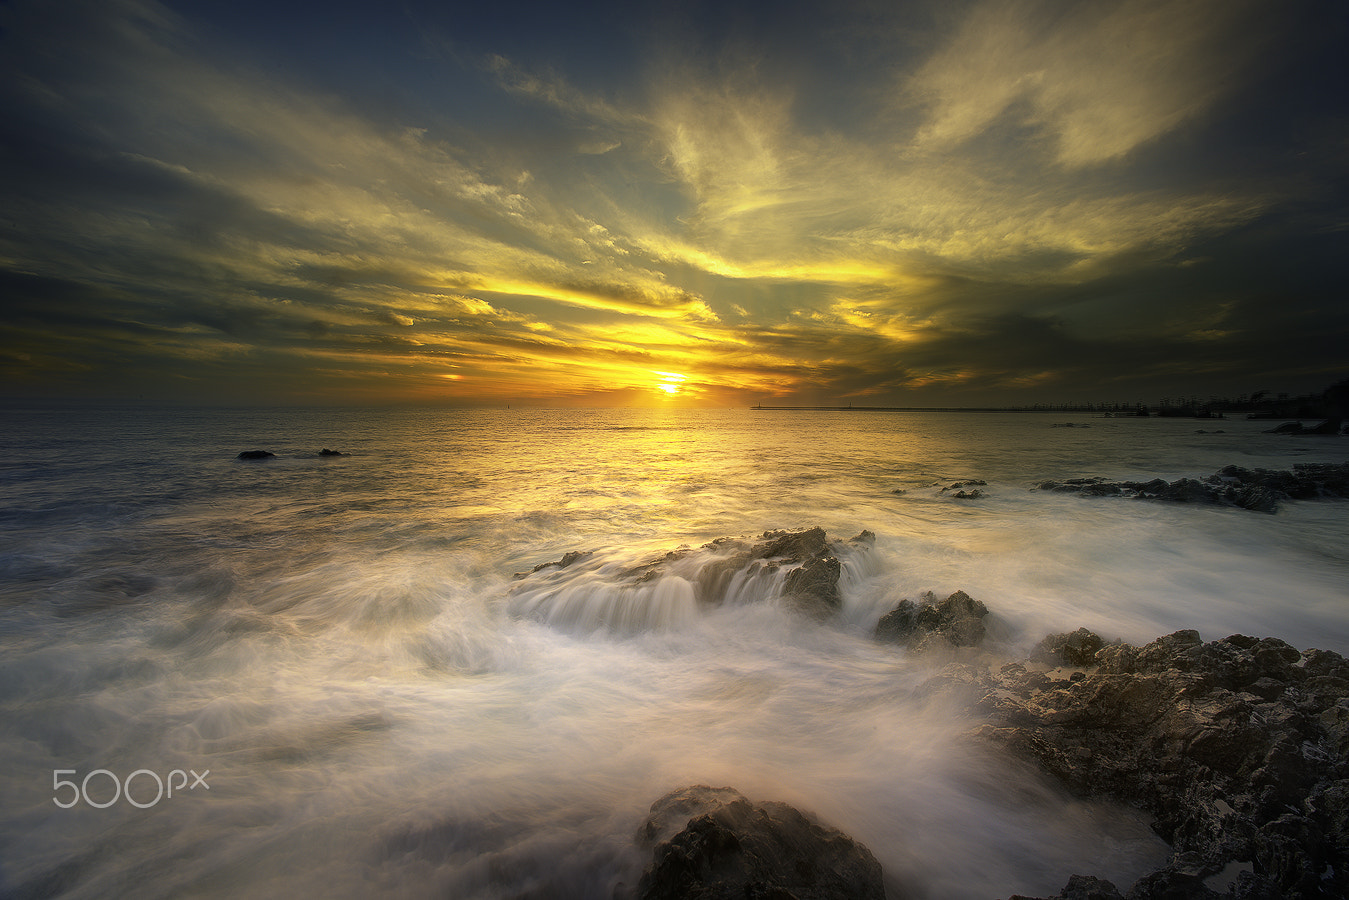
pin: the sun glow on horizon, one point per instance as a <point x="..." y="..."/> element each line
<point x="671" y="383"/>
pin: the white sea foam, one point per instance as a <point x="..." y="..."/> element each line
<point x="383" y="709"/>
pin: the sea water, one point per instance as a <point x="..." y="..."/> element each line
<point x="370" y="704"/>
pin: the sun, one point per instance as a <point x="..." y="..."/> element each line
<point x="671" y="383"/>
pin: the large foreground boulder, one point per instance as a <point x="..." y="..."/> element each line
<point x="714" y="844"/>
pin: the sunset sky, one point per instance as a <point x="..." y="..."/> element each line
<point x="721" y="203"/>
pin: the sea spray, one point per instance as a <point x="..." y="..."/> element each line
<point x="338" y="642"/>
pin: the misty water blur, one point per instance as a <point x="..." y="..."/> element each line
<point x="383" y="708"/>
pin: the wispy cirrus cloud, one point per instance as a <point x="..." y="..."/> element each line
<point x="1094" y="80"/>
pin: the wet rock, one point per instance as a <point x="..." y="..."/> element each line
<point x="1083" y="887"/>
<point x="812" y="584"/>
<point x="1330" y="426"/>
<point x="1185" y="878"/>
<point x="714" y="844"/>
<point x="671" y="813"/>
<point x="1261" y="490"/>
<point x="1237" y="747"/>
<point x="567" y="560"/>
<point x="809" y="557"/>
<point x="1077" y="648"/>
<point x="967" y="483"/>
<point x="256" y="454"/>
<point x="958" y="620"/>
<point x="795" y="546"/>
<point x="326" y="452"/>
<point x="813" y="587"/>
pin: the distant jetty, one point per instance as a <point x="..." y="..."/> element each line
<point x="1329" y="404"/>
<point x="980" y="409"/>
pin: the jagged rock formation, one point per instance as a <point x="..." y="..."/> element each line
<point x="957" y="620"/>
<point x="1077" y="648"/>
<point x="1238" y="747"/>
<point x="714" y="844"/>
<point x="1256" y="489"/>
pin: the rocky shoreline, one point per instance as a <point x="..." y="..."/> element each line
<point x="1237" y="748"/>
<point x="1256" y="489"/>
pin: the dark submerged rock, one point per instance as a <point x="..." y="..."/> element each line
<point x="1329" y="426"/>
<point x="958" y="487"/>
<point x="714" y="844"/>
<point x="326" y="452"/>
<point x="256" y="454"/>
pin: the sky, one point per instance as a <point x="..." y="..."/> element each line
<point x="935" y="203"/>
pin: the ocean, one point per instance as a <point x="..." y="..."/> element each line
<point x="317" y="676"/>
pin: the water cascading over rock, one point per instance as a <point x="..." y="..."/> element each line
<point x="802" y="570"/>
